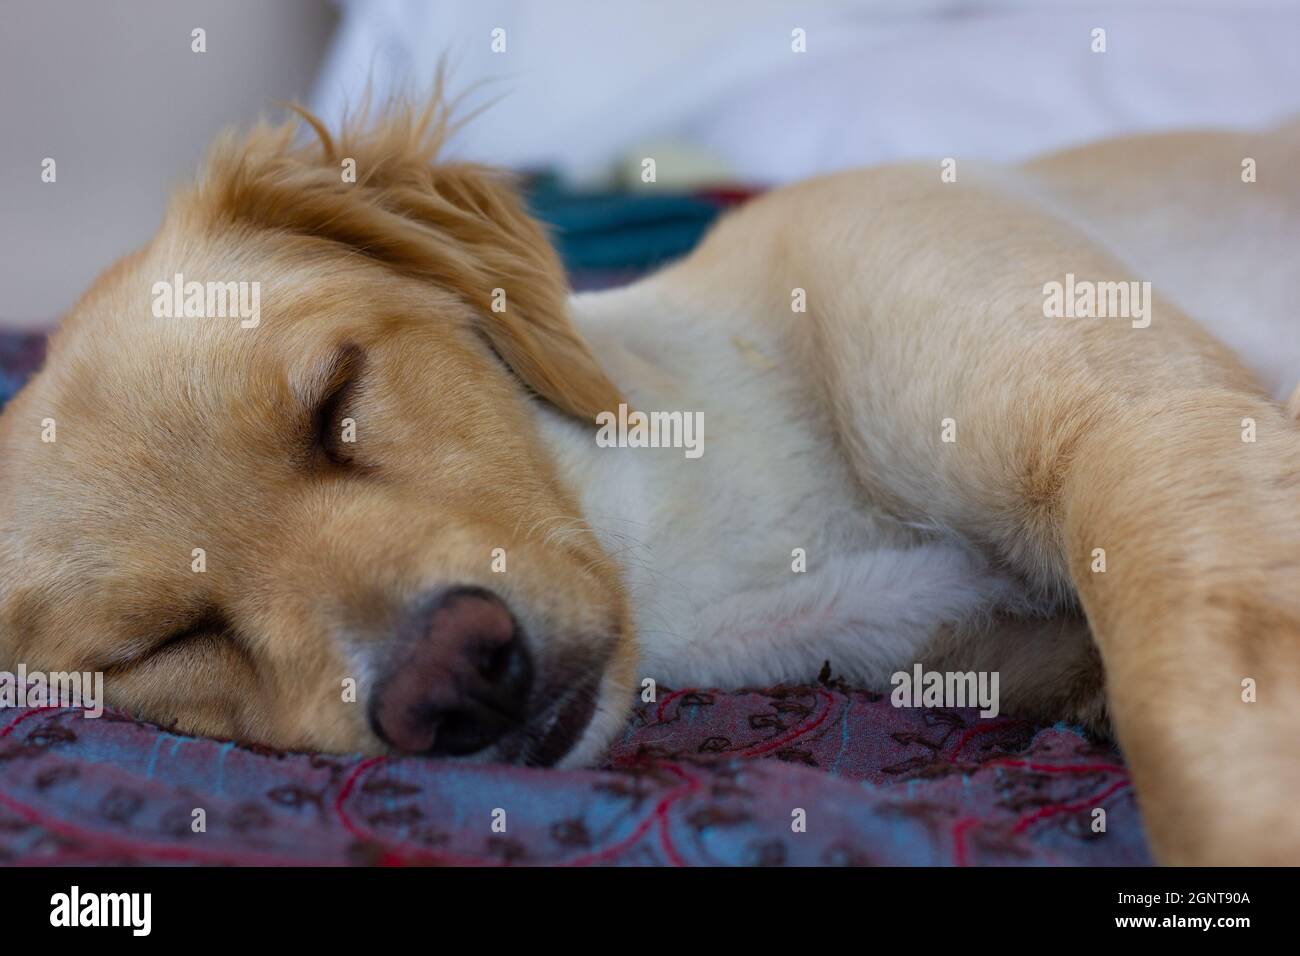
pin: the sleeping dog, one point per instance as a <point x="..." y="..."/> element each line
<point x="943" y="421"/>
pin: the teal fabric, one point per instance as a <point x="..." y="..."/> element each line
<point x="620" y="230"/>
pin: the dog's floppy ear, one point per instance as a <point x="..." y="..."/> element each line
<point x="460" y="225"/>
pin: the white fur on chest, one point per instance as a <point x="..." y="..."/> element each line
<point x="708" y="544"/>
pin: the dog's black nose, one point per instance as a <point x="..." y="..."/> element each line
<point x="458" y="678"/>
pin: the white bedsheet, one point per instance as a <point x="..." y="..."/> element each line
<point x="582" y="82"/>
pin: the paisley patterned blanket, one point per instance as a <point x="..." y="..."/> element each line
<point x="806" y="775"/>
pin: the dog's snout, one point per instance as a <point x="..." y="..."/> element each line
<point x="459" y="678"/>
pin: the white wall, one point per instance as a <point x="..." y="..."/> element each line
<point x="111" y="91"/>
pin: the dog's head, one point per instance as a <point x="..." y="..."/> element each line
<point x="317" y="513"/>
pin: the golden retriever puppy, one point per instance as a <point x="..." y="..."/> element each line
<point x="328" y="463"/>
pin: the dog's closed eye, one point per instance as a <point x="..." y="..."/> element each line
<point x="333" y="434"/>
<point x="211" y="624"/>
<point x="203" y="630"/>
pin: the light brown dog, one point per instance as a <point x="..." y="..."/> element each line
<point x="389" y="474"/>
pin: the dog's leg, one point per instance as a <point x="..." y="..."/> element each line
<point x="1134" y="463"/>
<point x="1197" y="615"/>
<point x="1048" y="667"/>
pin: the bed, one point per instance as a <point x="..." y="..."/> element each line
<point x="814" y="774"/>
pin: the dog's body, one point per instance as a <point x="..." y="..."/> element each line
<point x="945" y="460"/>
<point x="707" y="544"/>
